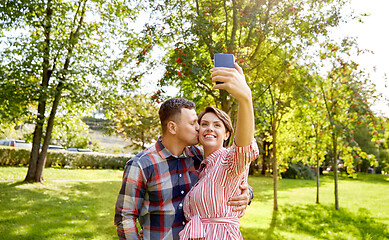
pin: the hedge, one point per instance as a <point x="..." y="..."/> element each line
<point x="11" y="156"/>
<point x="299" y="171"/>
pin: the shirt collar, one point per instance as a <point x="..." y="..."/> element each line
<point x="210" y="160"/>
<point x="166" y="154"/>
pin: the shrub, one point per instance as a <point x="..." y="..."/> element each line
<point x="298" y="171"/>
<point x="20" y="156"/>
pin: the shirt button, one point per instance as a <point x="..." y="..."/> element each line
<point x="182" y="192"/>
<point x="183" y="223"/>
<point x="180" y="205"/>
<point x="180" y="175"/>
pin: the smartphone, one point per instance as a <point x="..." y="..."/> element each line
<point x="224" y="60"/>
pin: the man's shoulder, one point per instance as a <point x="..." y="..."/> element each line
<point x="196" y="150"/>
<point x="143" y="157"/>
<point x="197" y="155"/>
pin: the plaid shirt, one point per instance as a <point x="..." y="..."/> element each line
<point x="155" y="183"/>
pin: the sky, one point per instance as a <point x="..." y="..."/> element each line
<point x="372" y="34"/>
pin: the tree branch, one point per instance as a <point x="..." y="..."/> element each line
<point x="231" y="46"/>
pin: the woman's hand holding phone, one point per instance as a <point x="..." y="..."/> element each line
<point x="230" y="79"/>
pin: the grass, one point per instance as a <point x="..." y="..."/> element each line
<point x="71" y="204"/>
<point x="363" y="214"/>
<point x="79" y="204"/>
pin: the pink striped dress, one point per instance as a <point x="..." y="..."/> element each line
<point x="205" y="206"/>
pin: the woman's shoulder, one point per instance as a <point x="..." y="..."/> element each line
<point x="244" y="149"/>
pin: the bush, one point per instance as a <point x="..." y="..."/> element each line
<point x="299" y="171"/>
<point x="20" y="156"/>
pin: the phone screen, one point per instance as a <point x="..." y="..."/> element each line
<point x="224" y="60"/>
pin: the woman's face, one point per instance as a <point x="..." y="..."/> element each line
<point x="212" y="132"/>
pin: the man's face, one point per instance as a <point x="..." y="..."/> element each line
<point x="187" y="127"/>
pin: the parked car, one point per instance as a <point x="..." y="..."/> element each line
<point x="15" y="143"/>
<point x="56" y="147"/>
<point x="79" y="149"/>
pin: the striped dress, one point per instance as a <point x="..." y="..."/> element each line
<point x="205" y="206"/>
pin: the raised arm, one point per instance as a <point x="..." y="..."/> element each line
<point x="233" y="81"/>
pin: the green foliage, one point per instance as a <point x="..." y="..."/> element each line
<point x="386" y="134"/>
<point x="383" y="166"/>
<point x="299" y="171"/>
<point x="267" y="39"/>
<point x="333" y="107"/>
<point x="59" y="56"/>
<point x="136" y="118"/>
<point x="71" y="131"/>
<point x="10" y="156"/>
<point x="82" y="50"/>
<point x="98" y="146"/>
<point x="12" y="131"/>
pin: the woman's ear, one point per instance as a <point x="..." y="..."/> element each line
<point x="228" y="134"/>
<point x="172" y="127"/>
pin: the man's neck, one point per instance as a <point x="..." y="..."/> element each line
<point x="173" y="144"/>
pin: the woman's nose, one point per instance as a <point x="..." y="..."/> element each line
<point x="209" y="128"/>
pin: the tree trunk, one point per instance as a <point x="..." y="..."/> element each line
<point x="142" y="139"/>
<point x="317" y="177"/>
<point x="36" y="144"/>
<point x="226" y="102"/>
<point x="265" y="158"/>
<point x="231" y="45"/>
<point x="38" y="159"/>
<point x="317" y="164"/>
<point x="275" y="165"/>
<point x="50" y="124"/>
<point x="335" y="168"/>
<point x="34" y="156"/>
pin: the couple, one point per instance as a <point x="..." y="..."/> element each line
<point x="170" y="182"/>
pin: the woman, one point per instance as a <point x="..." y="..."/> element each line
<point x="206" y="205"/>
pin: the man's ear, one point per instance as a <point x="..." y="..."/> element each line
<point x="172" y="127"/>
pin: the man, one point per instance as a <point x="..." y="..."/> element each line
<point x="156" y="180"/>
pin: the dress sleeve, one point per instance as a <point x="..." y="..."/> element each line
<point x="129" y="201"/>
<point x="239" y="158"/>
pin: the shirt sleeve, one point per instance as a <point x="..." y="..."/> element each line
<point x="239" y="158"/>
<point x="251" y="192"/>
<point x="130" y="201"/>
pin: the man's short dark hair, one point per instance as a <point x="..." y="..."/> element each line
<point x="170" y="110"/>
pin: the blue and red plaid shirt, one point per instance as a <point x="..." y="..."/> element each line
<point x="154" y="186"/>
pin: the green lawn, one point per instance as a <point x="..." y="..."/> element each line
<point x="79" y="204"/>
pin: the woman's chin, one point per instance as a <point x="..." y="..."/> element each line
<point x="211" y="146"/>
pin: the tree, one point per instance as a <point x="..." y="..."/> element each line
<point x="56" y="54"/>
<point x="303" y="136"/>
<point x="344" y="96"/>
<point x="267" y="38"/>
<point x="70" y="131"/>
<point x="136" y="118"/>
